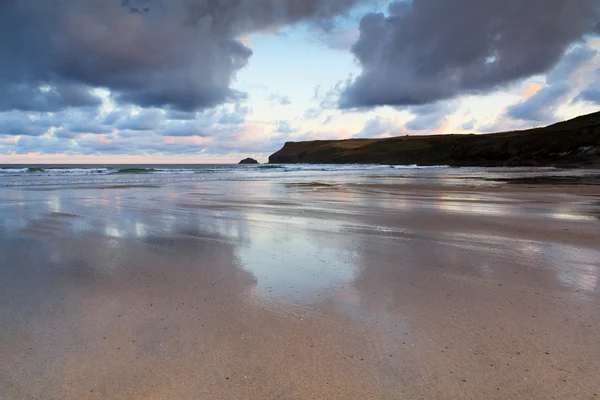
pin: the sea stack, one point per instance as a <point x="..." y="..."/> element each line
<point x="248" y="161"/>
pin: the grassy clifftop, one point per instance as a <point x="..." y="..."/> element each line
<point x="571" y="143"/>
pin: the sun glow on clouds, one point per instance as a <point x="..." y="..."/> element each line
<point x="531" y="89"/>
<point x="196" y="141"/>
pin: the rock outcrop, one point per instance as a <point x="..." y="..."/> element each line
<point x="248" y="161"/>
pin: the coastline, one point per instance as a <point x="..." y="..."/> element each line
<point x="574" y="143"/>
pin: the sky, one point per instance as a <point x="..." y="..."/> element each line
<point x="215" y="81"/>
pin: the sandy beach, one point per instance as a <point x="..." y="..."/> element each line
<point x="300" y="289"/>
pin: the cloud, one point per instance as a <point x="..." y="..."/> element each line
<point x="318" y="135"/>
<point x="132" y="143"/>
<point x="66" y="134"/>
<point x="44" y="96"/>
<point x="279" y="100"/>
<point x="146" y="120"/>
<point x="468" y="126"/>
<point x="185" y="129"/>
<point x="251" y="137"/>
<point x="104" y="145"/>
<point x="21" y="126"/>
<point x="284" y="127"/>
<point x="429" y="116"/>
<point x="88" y="127"/>
<point x="568" y="65"/>
<point x="15" y="123"/>
<point x="328" y="119"/>
<point x="44" y="145"/>
<point x="542" y="105"/>
<point x="429" y="50"/>
<point x="229" y="116"/>
<point x="115" y="115"/>
<point x="178" y="54"/>
<point x="313" y="113"/>
<point x="67" y="124"/>
<point x="377" y="127"/>
<point x="339" y="39"/>
<point x="218" y="121"/>
<point x="326" y="99"/>
<point x="592" y="93"/>
<point x="180" y="115"/>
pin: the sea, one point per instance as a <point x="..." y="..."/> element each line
<point x="73" y="175"/>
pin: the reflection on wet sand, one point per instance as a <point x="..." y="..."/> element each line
<point x="272" y="290"/>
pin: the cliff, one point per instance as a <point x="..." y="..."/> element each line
<point x="572" y="143"/>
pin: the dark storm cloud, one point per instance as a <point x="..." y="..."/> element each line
<point x="178" y="54"/>
<point x="436" y="49"/>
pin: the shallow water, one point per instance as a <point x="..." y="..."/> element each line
<point x="70" y="175"/>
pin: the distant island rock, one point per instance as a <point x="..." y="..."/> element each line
<point x="248" y="161"/>
<point x="573" y="143"/>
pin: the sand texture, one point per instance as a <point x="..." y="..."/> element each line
<point x="300" y="290"/>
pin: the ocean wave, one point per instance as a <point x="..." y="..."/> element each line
<point x="175" y="171"/>
<point x="53" y="171"/>
<point x="134" y="171"/>
<point x="268" y="166"/>
<point x="83" y="171"/>
<point x="351" y="167"/>
<point x="161" y="170"/>
<point x="13" y="170"/>
<point x="77" y="171"/>
<point x="415" y="166"/>
<point x="74" y="182"/>
<point x="200" y="169"/>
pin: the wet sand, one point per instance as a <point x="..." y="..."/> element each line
<point x="300" y="290"/>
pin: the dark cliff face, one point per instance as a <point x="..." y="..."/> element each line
<point x="570" y="143"/>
